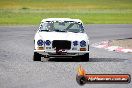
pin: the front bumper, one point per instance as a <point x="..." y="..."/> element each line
<point x="65" y="53"/>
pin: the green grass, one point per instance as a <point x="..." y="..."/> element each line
<point x="89" y="11"/>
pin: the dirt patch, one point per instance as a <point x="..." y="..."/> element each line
<point x="125" y="43"/>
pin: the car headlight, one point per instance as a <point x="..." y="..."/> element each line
<point x="40" y="42"/>
<point x="75" y="43"/>
<point x="47" y="42"/>
<point x="82" y="43"/>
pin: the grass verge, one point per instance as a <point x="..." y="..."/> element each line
<point x="89" y="11"/>
<point x="87" y="16"/>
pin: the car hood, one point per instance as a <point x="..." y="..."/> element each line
<point x="63" y="36"/>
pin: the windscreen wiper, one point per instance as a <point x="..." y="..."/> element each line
<point x="56" y="30"/>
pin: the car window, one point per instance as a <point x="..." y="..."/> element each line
<point x="76" y="28"/>
<point x="61" y="27"/>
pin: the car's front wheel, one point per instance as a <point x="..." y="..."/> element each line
<point x="36" y="56"/>
<point x="85" y="57"/>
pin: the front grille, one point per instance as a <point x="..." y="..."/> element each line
<point x="61" y="44"/>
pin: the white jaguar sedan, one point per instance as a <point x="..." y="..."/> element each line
<point x="61" y="37"/>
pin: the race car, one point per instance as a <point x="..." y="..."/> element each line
<point x="61" y="37"/>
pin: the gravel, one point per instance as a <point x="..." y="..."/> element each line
<point x="125" y="43"/>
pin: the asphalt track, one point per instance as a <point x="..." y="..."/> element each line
<point x="17" y="70"/>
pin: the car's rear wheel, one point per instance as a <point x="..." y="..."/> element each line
<point x="36" y="56"/>
<point x="85" y="57"/>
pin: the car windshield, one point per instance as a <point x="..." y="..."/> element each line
<point x="65" y="26"/>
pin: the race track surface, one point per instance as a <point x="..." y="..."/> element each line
<point x="17" y="70"/>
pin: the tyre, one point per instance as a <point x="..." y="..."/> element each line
<point x="85" y="57"/>
<point x="36" y="56"/>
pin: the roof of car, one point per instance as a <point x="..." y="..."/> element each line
<point x="61" y="19"/>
